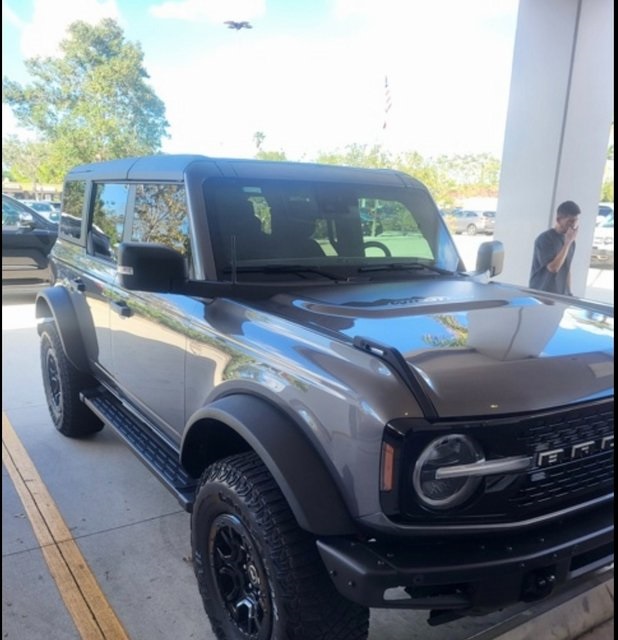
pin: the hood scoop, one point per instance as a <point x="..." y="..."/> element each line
<point x="393" y="307"/>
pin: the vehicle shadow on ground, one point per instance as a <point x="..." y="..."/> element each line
<point x="17" y="297"/>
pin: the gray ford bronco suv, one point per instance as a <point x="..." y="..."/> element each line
<point x="353" y="420"/>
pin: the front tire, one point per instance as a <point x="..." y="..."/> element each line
<point x="62" y="384"/>
<point x="259" y="574"/>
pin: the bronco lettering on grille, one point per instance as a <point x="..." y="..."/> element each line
<point x="555" y="456"/>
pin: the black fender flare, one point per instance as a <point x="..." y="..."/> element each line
<point x="296" y="466"/>
<point x="58" y="301"/>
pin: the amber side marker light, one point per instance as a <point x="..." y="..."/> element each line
<point x="387" y="467"/>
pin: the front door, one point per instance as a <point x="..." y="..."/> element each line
<point x="149" y="336"/>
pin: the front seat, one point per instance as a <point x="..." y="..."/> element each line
<point x="294" y="239"/>
<point x="241" y="230"/>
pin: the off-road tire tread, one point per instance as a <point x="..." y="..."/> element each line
<point x="313" y="609"/>
<point x="76" y="420"/>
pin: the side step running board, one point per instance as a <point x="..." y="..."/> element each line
<point x="147" y="445"/>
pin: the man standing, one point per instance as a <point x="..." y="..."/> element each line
<point x="553" y="252"/>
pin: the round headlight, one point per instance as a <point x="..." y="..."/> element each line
<point x="446" y="451"/>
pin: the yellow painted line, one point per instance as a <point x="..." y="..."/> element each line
<point x="82" y="595"/>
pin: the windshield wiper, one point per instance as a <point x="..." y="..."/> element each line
<point x="405" y="266"/>
<point x="297" y="269"/>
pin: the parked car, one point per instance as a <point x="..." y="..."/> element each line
<point x="45" y="208"/>
<point x="490" y="222"/>
<point x="469" y="222"/>
<point x="606" y="209"/>
<point x="27" y="239"/>
<point x="352" y="420"/>
<point x="603" y="244"/>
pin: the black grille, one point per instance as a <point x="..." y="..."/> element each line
<point x="550" y="485"/>
<point x="566" y="429"/>
<point x="566" y="481"/>
<point x="570" y="478"/>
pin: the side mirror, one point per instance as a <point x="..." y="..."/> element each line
<point x="490" y="258"/>
<point x="150" y="267"/>
<point x="26" y="221"/>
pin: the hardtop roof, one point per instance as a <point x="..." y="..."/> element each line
<point x="174" y="168"/>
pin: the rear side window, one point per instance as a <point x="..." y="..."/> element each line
<point x="73" y="198"/>
<point x="161" y="216"/>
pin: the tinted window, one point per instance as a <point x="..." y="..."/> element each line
<point x="109" y="204"/>
<point x="161" y="216"/>
<point x="10" y="213"/>
<point x="73" y="198"/>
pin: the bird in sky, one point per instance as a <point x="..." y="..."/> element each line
<point x="233" y="24"/>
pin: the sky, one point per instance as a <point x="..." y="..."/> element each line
<point x="310" y="75"/>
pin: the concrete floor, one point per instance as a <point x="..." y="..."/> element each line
<point x="135" y="538"/>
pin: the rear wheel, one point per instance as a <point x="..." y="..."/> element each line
<point x="471" y="230"/>
<point x="62" y="384"/>
<point x="259" y="574"/>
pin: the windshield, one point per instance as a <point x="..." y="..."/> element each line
<point x="346" y="227"/>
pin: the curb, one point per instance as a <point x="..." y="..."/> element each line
<point x="567" y="616"/>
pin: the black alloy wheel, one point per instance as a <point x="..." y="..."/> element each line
<point x="53" y="389"/>
<point x="240" y="577"/>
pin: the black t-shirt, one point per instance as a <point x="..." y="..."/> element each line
<point x="546" y="247"/>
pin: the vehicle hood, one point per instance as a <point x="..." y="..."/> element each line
<point x="473" y="349"/>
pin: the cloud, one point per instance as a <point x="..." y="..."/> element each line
<point x="41" y="36"/>
<point x="411" y="11"/>
<point x="317" y="94"/>
<point x="11" y="16"/>
<point x="209" y="10"/>
<point x="308" y="93"/>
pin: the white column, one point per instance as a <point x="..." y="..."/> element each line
<point x="561" y="107"/>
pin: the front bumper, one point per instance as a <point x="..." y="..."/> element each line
<point x="469" y="575"/>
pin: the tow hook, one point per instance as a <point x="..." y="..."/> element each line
<point x="538" y="584"/>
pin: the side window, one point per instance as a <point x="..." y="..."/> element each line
<point x="73" y="198"/>
<point x="10" y="214"/>
<point x="109" y="206"/>
<point x="161" y="216"/>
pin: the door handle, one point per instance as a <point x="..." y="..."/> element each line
<point x="122" y="309"/>
<point x="77" y="284"/>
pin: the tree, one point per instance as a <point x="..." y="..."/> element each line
<point x="93" y="102"/>
<point x="29" y="161"/>
<point x="263" y="154"/>
<point x="358" y="155"/>
<point x="258" y="139"/>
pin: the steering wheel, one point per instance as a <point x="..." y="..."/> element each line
<point x="374" y="244"/>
